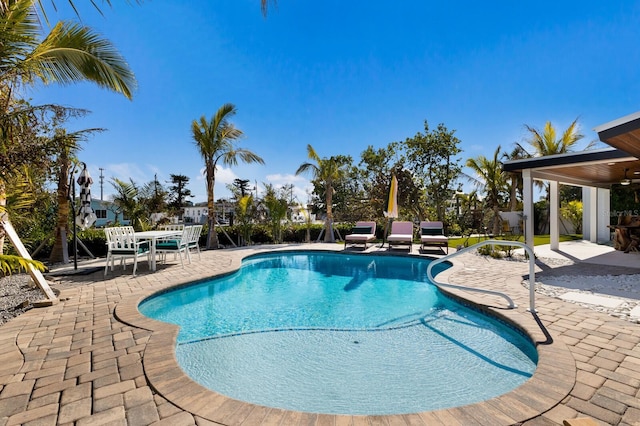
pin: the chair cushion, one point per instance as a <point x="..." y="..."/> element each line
<point x="142" y="248"/>
<point x="167" y="245"/>
<point x="361" y="230"/>
<point x="432" y="231"/>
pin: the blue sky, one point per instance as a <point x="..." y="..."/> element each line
<point x="343" y="75"/>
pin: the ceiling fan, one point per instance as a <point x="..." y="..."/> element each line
<point x="626" y="180"/>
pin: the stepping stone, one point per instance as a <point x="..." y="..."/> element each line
<point x="592" y="299"/>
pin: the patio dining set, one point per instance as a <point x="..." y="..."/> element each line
<point x="123" y="243"/>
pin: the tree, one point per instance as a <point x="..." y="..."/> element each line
<point x="327" y="171"/>
<point x="572" y="211"/>
<point x="241" y="187"/>
<point x="546" y="142"/>
<point x="68" y="147"/>
<point x="178" y="194"/>
<point x="244" y="213"/>
<point x="431" y="158"/>
<point x="69" y="53"/>
<point x="153" y="197"/>
<point x="277" y="206"/>
<point x="215" y="141"/>
<point x="126" y="199"/>
<point x="491" y="180"/>
<point x="379" y="165"/>
<point x="514" y="178"/>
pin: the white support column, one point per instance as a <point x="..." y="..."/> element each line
<point x="527" y="201"/>
<point x="603" y="215"/>
<point x="554" y="215"/>
<point x="590" y="214"/>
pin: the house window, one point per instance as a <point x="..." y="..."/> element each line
<point x="101" y="214"/>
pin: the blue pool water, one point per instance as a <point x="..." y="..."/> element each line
<point x="340" y="334"/>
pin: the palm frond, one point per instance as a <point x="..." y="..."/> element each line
<point x="11" y="263"/>
<point x="72" y="53"/>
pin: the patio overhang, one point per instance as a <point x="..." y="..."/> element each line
<point x="597" y="168"/>
<point x="623" y="133"/>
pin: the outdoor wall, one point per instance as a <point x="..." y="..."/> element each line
<point x="596" y="214"/>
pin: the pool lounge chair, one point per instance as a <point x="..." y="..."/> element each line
<point x="362" y="233"/>
<point x="432" y="234"/>
<point x="401" y="234"/>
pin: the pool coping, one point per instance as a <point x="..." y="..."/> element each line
<point x="552" y="381"/>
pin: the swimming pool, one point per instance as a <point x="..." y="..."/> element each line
<point x="340" y="333"/>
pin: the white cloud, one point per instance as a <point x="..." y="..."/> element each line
<point x="225" y="176"/>
<point x="126" y="172"/>
<point x="302" y="187"/>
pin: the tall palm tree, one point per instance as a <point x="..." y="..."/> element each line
<point x="547" y="142"/>
<point x="69" y="53"/>
<point x="215" y="139"/>
<point x="490" y="178"/>
<point x="515" y="178"/>
<point x="328" y="171"/>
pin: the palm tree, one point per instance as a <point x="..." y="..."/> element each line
<point x="127" y="199"/>
<point x="215" y="140"/>
<point x="328" y="171"/>
<point x="491" y="179"/>
<point x="547" y="143"/>
<point x="69" y="53"/>
<point x="277" y="207"/>
<point x="515" y="178"/>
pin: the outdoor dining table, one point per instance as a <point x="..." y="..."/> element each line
<point x="153" y="237"/>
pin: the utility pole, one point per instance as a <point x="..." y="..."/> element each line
<point x="101" y="183"/>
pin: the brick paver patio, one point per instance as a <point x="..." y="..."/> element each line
<point x="91" y="359"/>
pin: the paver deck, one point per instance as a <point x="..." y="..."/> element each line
<point x="93" y="359"/>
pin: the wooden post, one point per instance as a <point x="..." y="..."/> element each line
<point x="36" y="275"/>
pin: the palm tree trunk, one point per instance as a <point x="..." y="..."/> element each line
<point x="513" y="201"/>
<point x="496" y="221"/>
<point x="59" y="252"/>
<point x="3" y="213"/>
<point x="328" y="224"/>
<point x="212" y="235"/>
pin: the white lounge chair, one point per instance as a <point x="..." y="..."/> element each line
<point x="432" y="234"/>
<point x="121" y="243"/>
<point x="401" y="234"/>
<point x="362" y="233"/>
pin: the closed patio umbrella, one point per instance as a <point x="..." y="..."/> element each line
<point x="86" y="216"/>
<point x="392" y="202"/>
<point x="392" y="205"/>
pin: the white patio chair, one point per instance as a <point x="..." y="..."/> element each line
<point x="121" y="243"/>
<point x="194" y="240"/>
<point x="177" y="245"/>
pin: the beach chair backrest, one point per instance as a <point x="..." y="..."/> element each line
<point x="402" y="228"/>
<point x="431" y="228"/>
